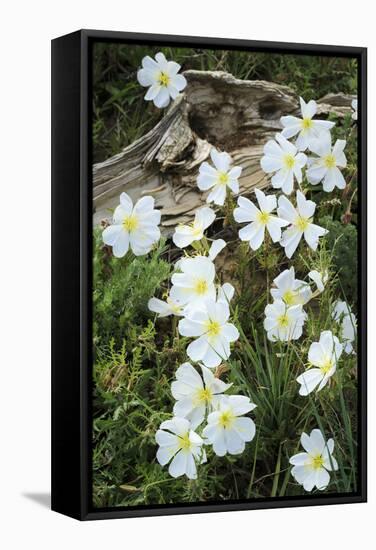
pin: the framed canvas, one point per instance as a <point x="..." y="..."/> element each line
<point x="209" y="274"/>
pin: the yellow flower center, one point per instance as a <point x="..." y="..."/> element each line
<point x="201" y="286"/>
<point x="289" y="297"/>
<point x="317" y="462"/>
<point x="164" y="79"/>
<point x="204" y="395"/>
<point x="184" y="442"/>
<point x="327" y="365"/>
<point x="196" y="229"/>
<point x="130" y="223"/>
<point x="289" y="161"/>
<point x="330" y="161"/>
<point x="307" y="123"/>
<point x="174" y="307"/>
<point x="223" y="178"/>
<point x="213" y="328"/>
<point x="283" y="321"/>
<point x="226" y="419"/>
<point x="302" y="223"/>
<point x="263" y="217"/>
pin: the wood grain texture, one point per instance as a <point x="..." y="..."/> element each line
<point x="215" y="110"/>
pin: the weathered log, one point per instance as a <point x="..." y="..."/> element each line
<point x="216" y="109"/>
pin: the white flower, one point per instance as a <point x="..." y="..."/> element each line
<point x="320" y="279"/>
<point x="214" y="334"/>
<point x="283" y="159"/>
<point x="133" y="226"/>
<point x="340" y="309"/>
<point x="162" y="79"/>
<point x="323" y="355"/>
<point x="301" y="223"/>
<point x="284" y="323"/>
<point x="354" y="105"/>
<point x="348" y="332"/>
<point x="325" y="168"/>
<point x="196" y="395"/>
<point x="177" y="441"/>
<point x="225" y="293"/>
<point x="260" y="219"/>
<point x="343" y="315"/>
<point x="220" y="178"/>
<point x="164" y="309"/>
<point x="227" y="429"/>
<point x="311" y="468"/>
<point x="216" y="247"/>
<point x="292" y="291"/>
<point x="185" y="234"/>
<point x="307" y="128"/>
<point x="195" y="283"/>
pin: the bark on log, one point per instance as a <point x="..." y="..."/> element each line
<point x="216" y="109"/>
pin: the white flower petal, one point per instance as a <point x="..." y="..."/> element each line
<point x="121" y="245"/>
<point x="305" y="207"/>
<point x="216" y="247"/>
<point x="230" y="332"/>
<point x="162" y="99"/>
<point x="312" y="234"/>
<point x="198" y="349"/>
<point x="189" y="327"/>
<point x="179" y="82"/>
<point x="299" y="459"/>
<point x="205" y="216"/>
<point x="246" y="211"/>
<point x="322" y="479"/>
<point x="217" y="195"/>
<point x="221" y="160"/>
<point x="234" y="443"/>
<point x="226" y="293"/>
<point x="153" y="92"/>
<point x="241" y="404"/>
<point x="308" y="109"/>
<point x="274" y="226"/>
<point x="286" y="210"/>
<point x="309" y="380"/>
<point x="245" y="428"/>
<point x="178" y="426"/>
<point x="290" y="240"/>
<point x="267" y="203"/>
<point x="314" y="444"/>
<point x="111" y="234"/>
<point x="178" y="465"/>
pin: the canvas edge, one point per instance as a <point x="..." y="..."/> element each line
<point x="86" y="511"/>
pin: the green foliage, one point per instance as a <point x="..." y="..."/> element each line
<point x="134" y="370"/>
<point x="122" y="288"/>
<point x="343" y="240"/>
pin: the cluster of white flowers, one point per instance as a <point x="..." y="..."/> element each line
<point x="205" y="413"/>
<point x="204" y="308"/>
<point x="198" y="399"/>
<point x="286" y="160"/>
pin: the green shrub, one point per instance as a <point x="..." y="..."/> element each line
<point x="342" y="240"/>
<point x="122" y="288"/>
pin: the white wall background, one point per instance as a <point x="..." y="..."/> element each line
<point x="27" y="28"/>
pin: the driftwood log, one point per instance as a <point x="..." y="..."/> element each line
<point x="216" y="109"/>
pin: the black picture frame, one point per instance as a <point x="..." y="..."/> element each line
<point x="72" y="271"/>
